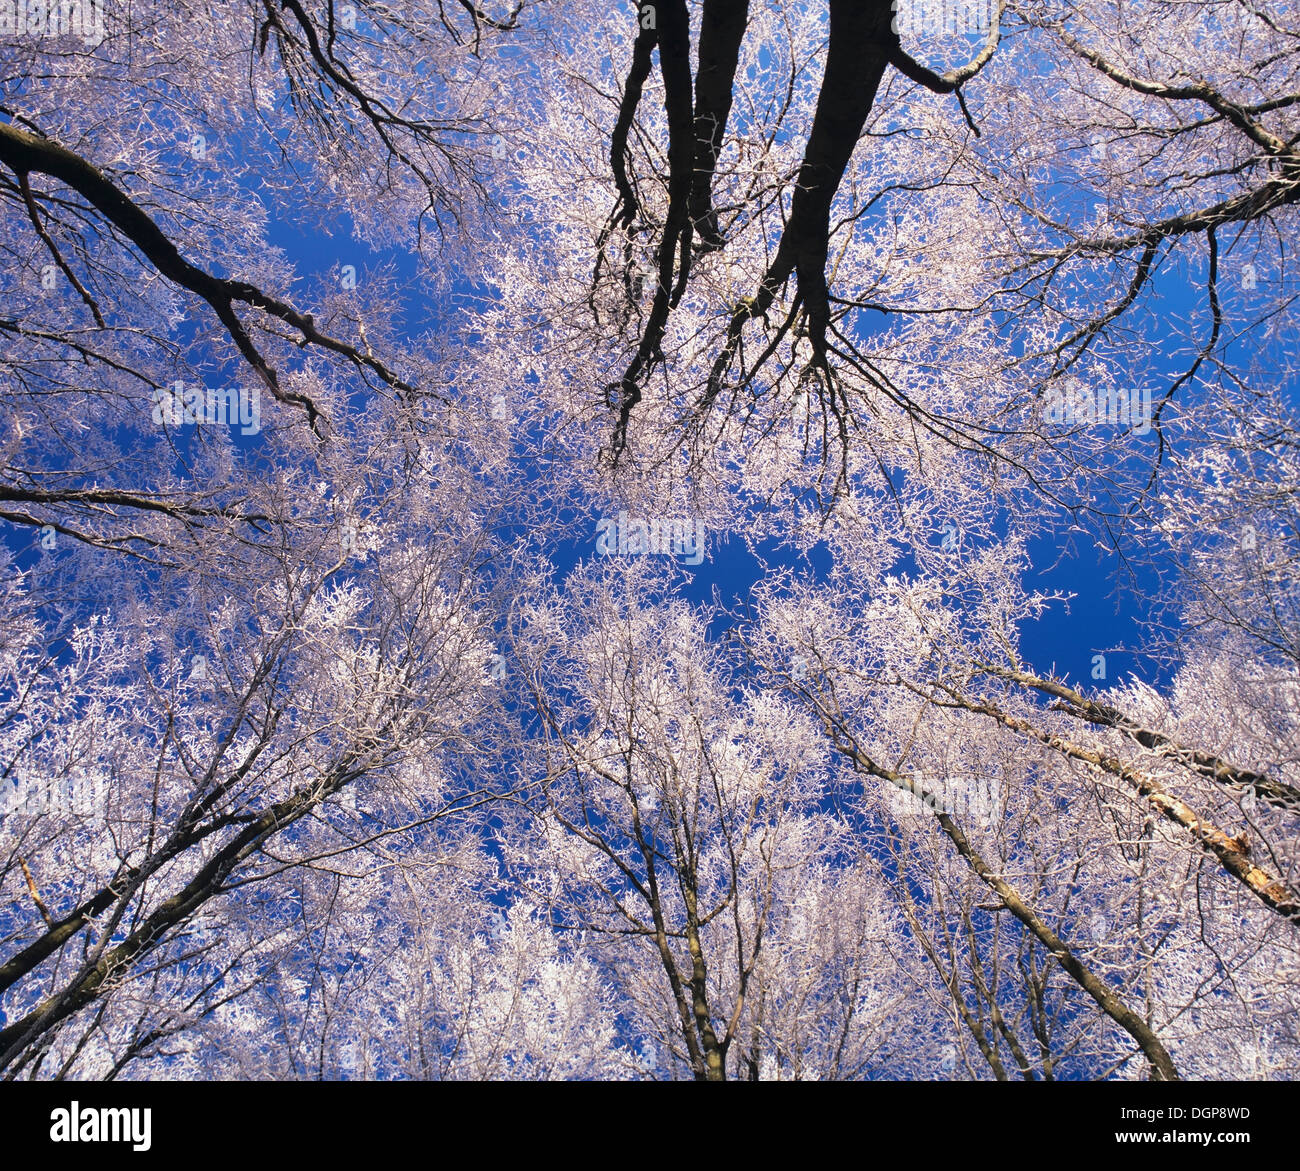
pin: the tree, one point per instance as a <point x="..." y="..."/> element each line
<point x="685" y="821"/>
<point x="918" y="703"/>
<point x="265" y="627"/>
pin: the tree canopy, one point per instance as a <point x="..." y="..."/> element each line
<point x="555" y="540"/>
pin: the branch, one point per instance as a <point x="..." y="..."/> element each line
<point x="23" y="153"/>
<point x="1214" y="768"/>
<point x="1198" y="91"/>
<point x="207" y="883"/>
<point x="1161" y="1063"/>
<point x="1230" y="851"/>
<point x="34" y="215"/>
<point x="674" y="62"/>
<point x="722" y="29"/>
<point x="951" y="81"/>
<point x="627" y="208"/>
<point x="36" y="895"/>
